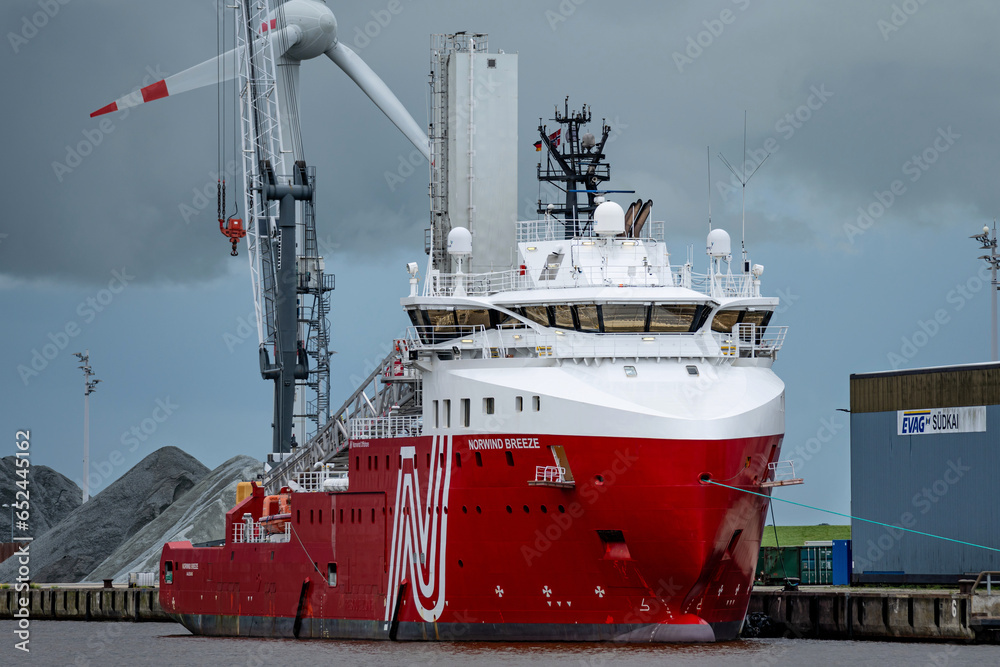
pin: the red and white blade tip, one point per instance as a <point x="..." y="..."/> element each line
<point x="153" y="91"/>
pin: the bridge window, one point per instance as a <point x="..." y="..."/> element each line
<point x="620" y="318"/>
<point x="537" y="314"/>
<point x="725" y="320"/>
<point x="469" y="318"/>
<point x="498" y="319"/>
<point x="536" y="403"/>
<point x="519" y="403"/>
<point x="436" y="421"/>
<point x="673" y="318"/>
<point x="447" y="413"/>
<point x="441" y="320"/>
<point x="488" y="405"/>
<point x="562" y="316"/>
<point x="587" y="317"/>
<point x="437" y="326"/>
<point x="466" y="412"/>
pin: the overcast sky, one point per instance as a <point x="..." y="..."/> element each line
<point x="880" y="118"/>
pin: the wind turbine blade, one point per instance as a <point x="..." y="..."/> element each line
<point x="213" y="71"/>
<point x="380" y="94"/>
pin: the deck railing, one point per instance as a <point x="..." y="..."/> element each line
<point x="550" y="474"/>
<point x="386" y="427"/>
<point x="553" y="229"/>
<point x="252" y="531"/>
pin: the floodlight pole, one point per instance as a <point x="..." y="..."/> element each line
<point x="89" y="387"/>
<point x="993" y="288"/>
<point x="990" y="243"/>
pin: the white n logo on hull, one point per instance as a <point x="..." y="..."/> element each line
<point x="420" y="531"/>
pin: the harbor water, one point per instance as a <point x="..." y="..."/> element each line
<point x="81" y="644"/>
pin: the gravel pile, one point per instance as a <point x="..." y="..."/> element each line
<point x="90" y="533"/>
<point x="52" y="497"/>
<point x="198" y="516"/>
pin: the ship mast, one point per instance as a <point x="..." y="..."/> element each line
<point x="575" y="164"/>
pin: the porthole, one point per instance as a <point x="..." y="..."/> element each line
<point x="509" y="510"/>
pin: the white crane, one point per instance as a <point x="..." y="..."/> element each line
<point x="270" y="46"/>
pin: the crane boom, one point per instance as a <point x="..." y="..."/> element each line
<point x="261" y="132"/>
<point x="289" y="288"/>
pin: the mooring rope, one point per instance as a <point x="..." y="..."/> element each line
<point x="850" y="516"/>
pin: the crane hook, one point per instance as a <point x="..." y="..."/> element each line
<point x="233" y="230"/>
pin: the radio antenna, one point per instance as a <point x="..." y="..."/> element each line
<point x="743" y="181"/>
<point x="708" y="159"/>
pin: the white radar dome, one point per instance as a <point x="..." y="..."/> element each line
<point x="460" y="241"/>
<point x="609" y="219"/>
<point x="718" y="243"/>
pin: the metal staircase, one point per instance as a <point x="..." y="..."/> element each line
<point x="391" y="391"/>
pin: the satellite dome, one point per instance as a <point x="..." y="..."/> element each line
<point x="609" y="219"/>
<point x="588" y="140"/>
<point x="460" y="241"/>
<point x="718" y="243"/>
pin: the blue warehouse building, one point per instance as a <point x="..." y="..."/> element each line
<point x="925" y="455"/>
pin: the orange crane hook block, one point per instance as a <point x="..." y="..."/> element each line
<point x="233" y="230"/>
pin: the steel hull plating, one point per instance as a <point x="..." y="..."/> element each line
<point x="443" y="538"/>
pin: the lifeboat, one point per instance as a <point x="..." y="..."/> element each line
<point x="277" y="512"/>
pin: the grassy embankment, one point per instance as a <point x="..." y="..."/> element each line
<point x="789" y="536"/>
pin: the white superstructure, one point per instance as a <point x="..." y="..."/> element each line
<point x="598" y="335"/>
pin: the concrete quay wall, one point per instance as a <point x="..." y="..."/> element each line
<point x="854" y="614"/>
<point x="85" y="604"/>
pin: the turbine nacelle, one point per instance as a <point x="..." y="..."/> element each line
<point x="317" y="27"/>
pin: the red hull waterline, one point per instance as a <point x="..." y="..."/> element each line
<point x="445" y="537"/>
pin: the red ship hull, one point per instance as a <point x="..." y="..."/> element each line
<point x="437" y="541"/>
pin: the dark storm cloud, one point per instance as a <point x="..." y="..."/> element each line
<point x="138" y="190"/>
